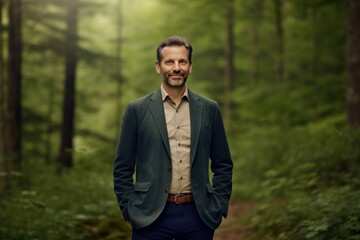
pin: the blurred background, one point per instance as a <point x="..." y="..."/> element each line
<point x="286" y="74"/>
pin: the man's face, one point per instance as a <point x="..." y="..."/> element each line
<point x="174" y="66"/>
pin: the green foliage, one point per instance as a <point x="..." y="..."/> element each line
<point x="317" y="183"/>
<point x="314" y="160"/>
<point x="107" y="228"/>
<point x="288" y="141"/>
<point x="79" y="204"/>
<point x="329" y="215"/>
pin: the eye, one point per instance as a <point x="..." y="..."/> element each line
<point x="169" y="62"/>
<point x="183" y="62"/>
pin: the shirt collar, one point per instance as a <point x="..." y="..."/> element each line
<point x="164" y="94"/>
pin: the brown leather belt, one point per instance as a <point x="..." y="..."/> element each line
<point x="180" y="198"/>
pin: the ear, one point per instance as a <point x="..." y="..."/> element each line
<point x="190" y="68"/>
<point x="157" y="67"/>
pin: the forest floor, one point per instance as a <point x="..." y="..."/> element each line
<point x="231" y="227"/>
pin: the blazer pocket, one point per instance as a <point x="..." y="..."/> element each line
<point x="219" y="204"/>
<point x="141" y="186"/>
<point x="213" y="206"/>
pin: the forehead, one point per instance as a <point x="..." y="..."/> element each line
<point x="174" y="52"/>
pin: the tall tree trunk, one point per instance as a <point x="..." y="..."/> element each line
<point x="315" y="42"/>
<point x="2" y="89"/>
<point x="353" y="63"/>
<point x="279" y="76"/>
<point x="14" y="82"/>
<point x="67" y="131"/>
<point x="229" y="69"/>
<point x="257" y="10"/>
<point x="4" y="163"/>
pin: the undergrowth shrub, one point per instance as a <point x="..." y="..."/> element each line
<point x="312" y="192"/>
<point x="330" y="215"/>
<point x="77" y="204"/>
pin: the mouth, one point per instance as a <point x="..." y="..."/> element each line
<point x="177" y="76"/>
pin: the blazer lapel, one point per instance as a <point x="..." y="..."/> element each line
<point x="196" y="110"/>
<point x="157" y="110"/>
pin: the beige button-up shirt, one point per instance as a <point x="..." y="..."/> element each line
<point x="179" y="132"/>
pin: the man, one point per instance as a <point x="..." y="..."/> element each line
<point x="168" y="139"/>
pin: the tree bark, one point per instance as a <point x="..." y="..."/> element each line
<point x="279" y="76"/>
<point x="4" y="163"/>
<point x="257" y="9"/>
<point x="14" y="83"/>
<point x="2" y="88"/>
<point x="353" y="63"/>
<point x="67" y="131"/>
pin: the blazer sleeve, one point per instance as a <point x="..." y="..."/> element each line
<point x="221" y="163"/>
<point x="125" y="159"/>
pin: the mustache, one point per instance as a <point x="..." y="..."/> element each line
<point x="177" y="74"/>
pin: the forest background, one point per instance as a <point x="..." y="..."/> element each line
<point x="286" y="74"/>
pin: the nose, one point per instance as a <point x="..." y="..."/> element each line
<point x="176" y="66"/>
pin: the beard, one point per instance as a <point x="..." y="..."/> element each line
<point x="175" y="81"/>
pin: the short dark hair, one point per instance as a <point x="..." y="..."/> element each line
<point x="174" y="41"/>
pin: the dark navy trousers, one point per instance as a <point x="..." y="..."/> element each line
<point x="176" y="222"/>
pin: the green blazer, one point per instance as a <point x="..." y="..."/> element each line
<point x="144" y="149"/>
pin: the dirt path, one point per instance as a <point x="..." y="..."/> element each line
<point x="230" y="228"/>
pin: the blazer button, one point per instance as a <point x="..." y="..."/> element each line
<point x="167" y="190"/>
<point x="169" y="168"/>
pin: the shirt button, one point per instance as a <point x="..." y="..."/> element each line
<point x="178" y="127"/>
<point x="179" y="144"/>
<point x="180" y="161"/>
<point x="181" y="178"/>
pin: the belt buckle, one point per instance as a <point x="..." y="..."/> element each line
<point x="178" y="196"/>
